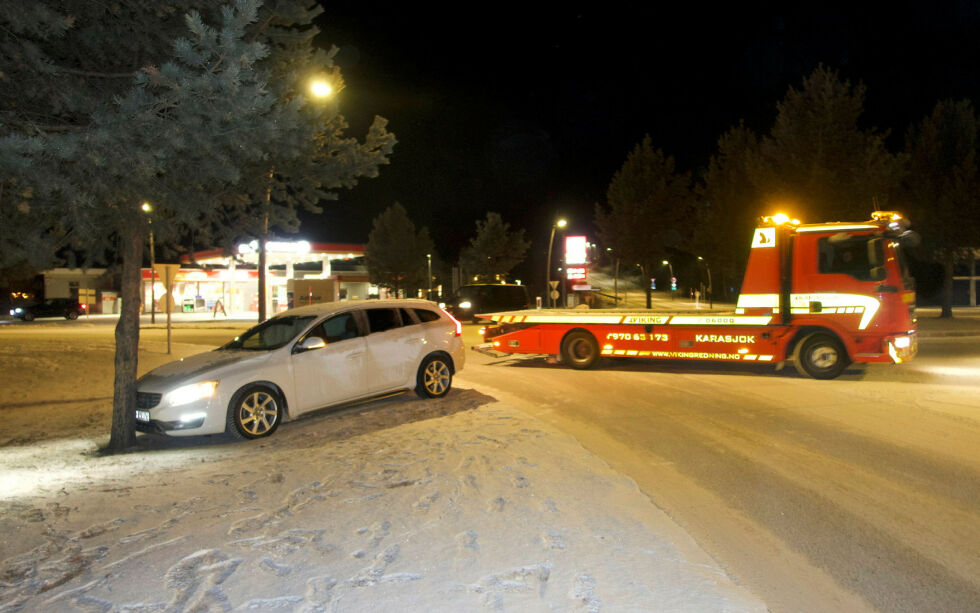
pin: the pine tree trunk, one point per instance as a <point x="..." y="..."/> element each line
<point x="123" y="434"/>
<point x="947" y="309"/>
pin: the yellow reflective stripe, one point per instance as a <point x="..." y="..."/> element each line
<point x="837" y="228"/>
<point x="720" y="320"/>
<point x="751" y="301"/>
<point x="646" y="319"/>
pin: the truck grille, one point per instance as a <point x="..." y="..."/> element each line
<point x="146" y="400"/>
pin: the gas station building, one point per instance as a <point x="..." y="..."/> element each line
<point x="297" y="273"/>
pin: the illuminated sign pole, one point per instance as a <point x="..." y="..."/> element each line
<point x="576" y="258"/>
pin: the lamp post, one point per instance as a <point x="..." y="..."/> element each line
<point x="670" y="268"/>
<point x="707" y="269"/>
<point x="153" y="300"/>
<point x="319" y="88"/>
<point x="428" y="261"/>
<point x="561" y="223"/>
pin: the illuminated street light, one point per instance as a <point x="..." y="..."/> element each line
<point x="153" y="274"/>
<point x="320" y="88"/>
<point x="561" y="223"/>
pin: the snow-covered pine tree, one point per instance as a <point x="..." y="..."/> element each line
<point x="106" y="106"/>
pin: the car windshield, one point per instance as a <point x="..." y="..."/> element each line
<point x="271" y="334"/>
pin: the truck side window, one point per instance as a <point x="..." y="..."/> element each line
<point x="845" y="257"/>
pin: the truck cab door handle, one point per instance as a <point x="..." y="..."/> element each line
<point x="816" y="307"/>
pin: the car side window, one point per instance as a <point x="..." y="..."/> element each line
<point x="426" y="315"/>
<point x="380" y="320"/>
<point x="335" y="329"/>
<point x="407" y="319"/>
<point x="340" y="328"/>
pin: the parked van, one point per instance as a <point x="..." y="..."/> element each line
<point x="487" y="298"/>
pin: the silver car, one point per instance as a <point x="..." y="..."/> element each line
<point x="301" y="360"/>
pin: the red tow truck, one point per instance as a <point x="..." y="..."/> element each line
<point x="819" y="295"/>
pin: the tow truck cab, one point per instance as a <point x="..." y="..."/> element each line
<point x="849" y="281"/>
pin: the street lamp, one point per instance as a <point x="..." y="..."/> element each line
<point x="561" y="223"/>
<point x="670" y="268"/>
<point x="319" y="88"/>
<point x="153" y="275"/>
<point x="428" y="260"/>
<point x="707" y="269"/>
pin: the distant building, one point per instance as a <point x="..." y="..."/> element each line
<point x="207" y="277"/>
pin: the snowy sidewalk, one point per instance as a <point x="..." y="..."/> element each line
<point x="458" y="504"/>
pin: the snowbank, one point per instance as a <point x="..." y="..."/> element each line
<point x="400" y="504"/>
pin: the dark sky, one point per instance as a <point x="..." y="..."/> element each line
<point x="528" y="112"/>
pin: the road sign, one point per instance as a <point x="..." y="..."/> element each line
<point x="554" y="284"/>
<point x="554" y="295"/>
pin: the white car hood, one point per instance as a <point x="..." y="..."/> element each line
<point x="195" y="366"/>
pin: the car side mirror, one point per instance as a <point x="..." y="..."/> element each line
<point x="311" y="342"/>
<point x="878" y="273"/>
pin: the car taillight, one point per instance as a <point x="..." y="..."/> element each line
<point x="459" y="326"/>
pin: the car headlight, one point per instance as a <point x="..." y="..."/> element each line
<point x="16" y="311"/>
<point x="465" y="304"/>
<point x="191" y="393"/>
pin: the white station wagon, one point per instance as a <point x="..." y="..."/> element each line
<point x="301" y="360"/>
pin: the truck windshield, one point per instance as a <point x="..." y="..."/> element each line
<point x="271" y="334"/>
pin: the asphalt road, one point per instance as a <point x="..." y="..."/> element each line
<point x="861" y="493"/>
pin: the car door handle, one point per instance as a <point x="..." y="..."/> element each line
<point x="355" y="356"/>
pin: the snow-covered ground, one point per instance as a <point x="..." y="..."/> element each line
<point x="458" y="504"/>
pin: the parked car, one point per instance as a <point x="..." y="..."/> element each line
<point x="52" y="307"/>
<point x="471" y="300"/>
<point x="301" y="360"/>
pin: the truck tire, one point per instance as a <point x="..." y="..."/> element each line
<point x="822" y="356"/>
<point x="579" y="350"/>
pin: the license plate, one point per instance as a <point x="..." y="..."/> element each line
<point x="142" y="416"/>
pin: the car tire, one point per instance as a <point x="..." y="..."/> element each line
<point x="822" y="356"/>
<point x="254" y="412"/>
<point x="28" y="316"/>
<point x="579" y="350"/>
<point x="434" y="378"/>
<point x="71" y="315"/>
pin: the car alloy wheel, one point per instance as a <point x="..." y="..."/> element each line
<point x="435" y="377"/>
<point x="255" y="412"/>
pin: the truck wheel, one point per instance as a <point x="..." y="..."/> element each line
<point x="579" y="350"/>
<point x="254" y="412"/>
<point x="823" y="357"/>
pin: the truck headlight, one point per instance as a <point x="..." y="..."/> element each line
<point x="465" y="304"/>
<point x="193" y="392"/>
<point x="902" y="342"/>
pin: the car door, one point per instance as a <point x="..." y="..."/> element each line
<point x="331" y="374"/>
<point x="392" y="348"/>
